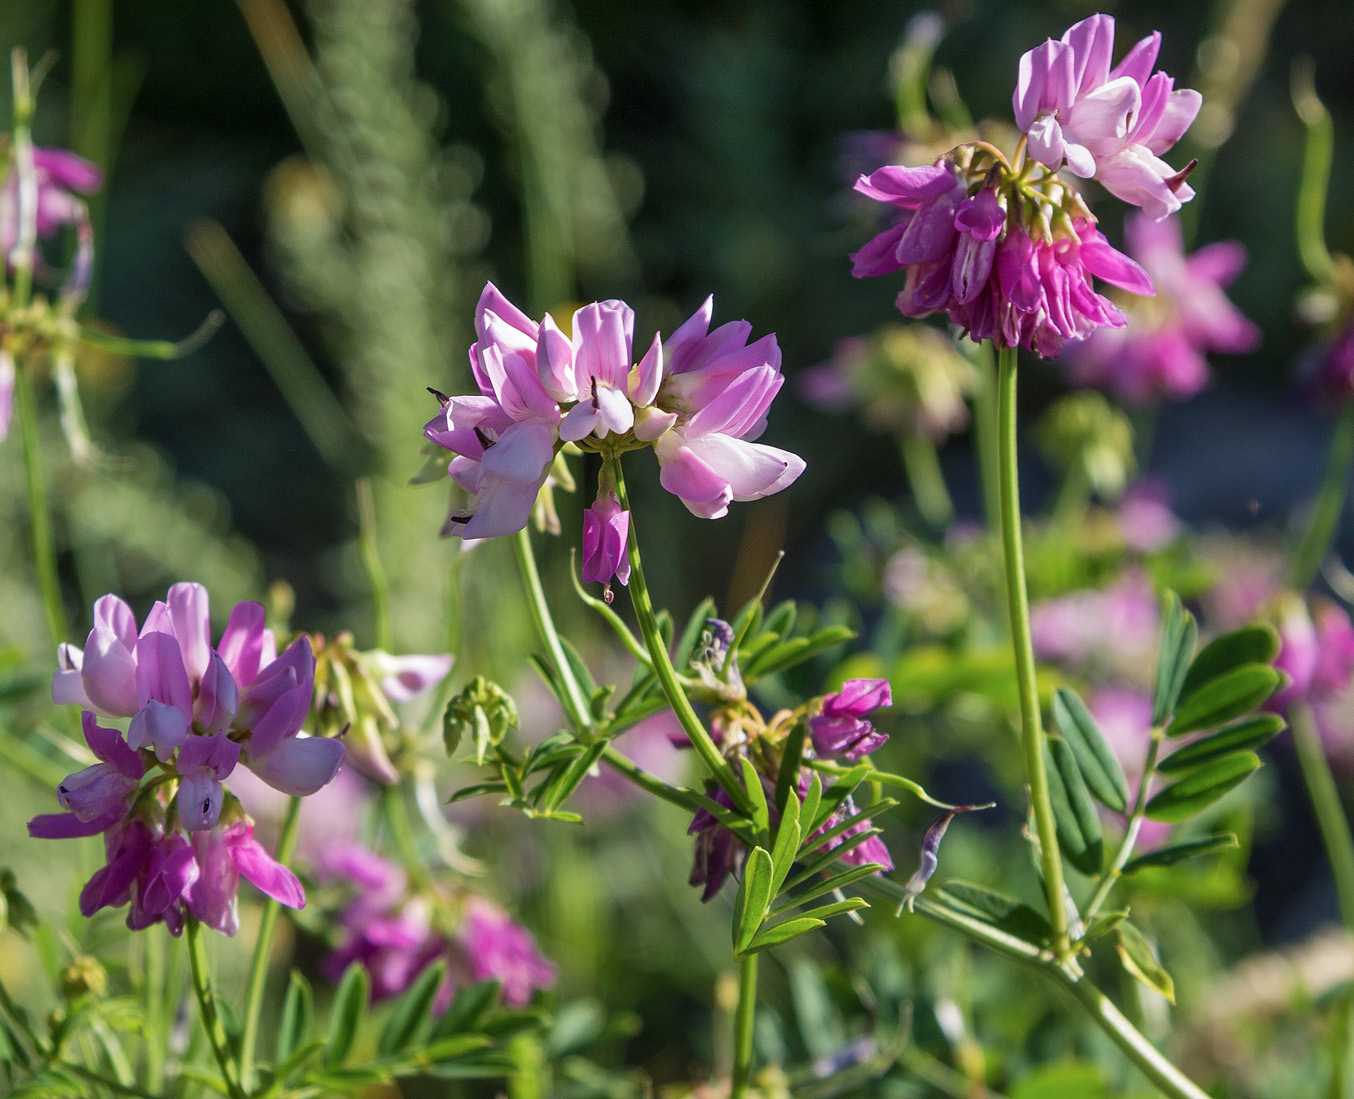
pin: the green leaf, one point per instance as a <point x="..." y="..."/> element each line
<point x="1201" y="788"/>
<point x="754" y="895"/>
<point x="573" y="775"/>
<point x="780" y="619"/>
<point x="1140" y="960"/>
<point x="454" y="1047"/>
<point x="1225" y="697"/>
<point x="841" y="789"/>
<point x="828" y="885"/>
<point x="1098" y="764"/>
<point x="1178" y="852"/>
<point x="477" y="790"/>
<point x="350" y="1003"/>
<point x="1254" y="644"/>
<point x="1103" y="925"/>
<point x="787" y="778"/>
<point x="747" y="621"/>
<point x="469" y="1008"/>
<point x="1254" y="732"/>
<point x="411" y="1020"/>
<point x="782" y="933"/>
<point x="761" y="811"/>
<point x="579" y="667"/>
<point x="779" y="659"/>
<point x="828" y="857"/>
<point x="1079" y="832"/>
<point x="1178" y="634"/>
<point x="348" y="1079"/>
<point x="786" y="849"/>
<point x="1011" y="915"/>
<point x="827" y="911"/>
<point x="813" y="797"/>
<point x="297" y="1015"/>
<point x="692" y="631"/>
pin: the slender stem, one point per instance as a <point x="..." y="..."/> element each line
<point x="40" y="518"/>
<point x="371" y="563"/>
<point x="1017" y="601"/>
<point x="985" y="435"/>
<point x="1316" y="165"/>
<point x="153" y="942"/>
<point x="211" y="1018"/>
<point x="743" y="1024"/>
<point x="922" y="464"/>
<point x="115" y="1086"/>
<point x="396" y="815"/>
<point x="664" y="791"/>
<point x="263" y="949"/>
<point x="1153" y="1064"/>
<point x="662" y="663"/>
<point x="1330" y="813"/>
<point x="1330" y="501"/>
<point x="1130" y="838"/>
<point x="21" y="1020"/>
<point x="574" y="702"/>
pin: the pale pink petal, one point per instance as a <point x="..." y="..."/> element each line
<point x="299" y="765"/>
<point x="244" y="643"/>
<point x="188" y="610"/>
<point x="109" y="673"/>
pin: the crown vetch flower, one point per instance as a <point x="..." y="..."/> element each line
<point x="500" y="949"/>
<point x="60" y="177"/>
<point x="1161" y="353"/>
<point x="980" y="246"/>
<point x="841" y="728"/>
<point x="606" y="527"/>
<point x="1110" y="124"/>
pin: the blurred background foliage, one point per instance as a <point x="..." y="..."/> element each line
<point x="343" y="175"/>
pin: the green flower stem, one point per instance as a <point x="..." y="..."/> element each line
<point x="1330" y="501"/>
<point x="985" y="435"/>
<point x="652" y="784"/>
<point x="667" y="674"/>
<point x="742" y="1025"/>
<point x="263" y="949"/>
<point x="922" y="464"/>
<point x="574" y="702"/>
<point x="1017" y="600"/>
<point x="1316" y="165"/>
<point x="1130" y="838"/>
<point x="40" y="517"/>
<point x="211" y="1017"/>
<point x="153" y="943"/>
<point x="1330" y="813"/>
<point x="371" y="563"/>
<point x="396" y="815"/>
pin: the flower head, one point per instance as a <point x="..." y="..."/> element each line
<point x="841" y="728"/>
<point x="606" y="526"/>
<point x="1110" y="124"/>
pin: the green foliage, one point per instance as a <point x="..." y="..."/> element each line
<point x="1096" y="761"/>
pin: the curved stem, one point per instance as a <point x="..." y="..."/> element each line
<point x="1018" y="606"/>
<point x="922" y="464"/>
<point x="211" y="1017"/>
<point x="1316" y="165"/>
<point x="667" y="674"/>
<point x="396" y="815"/>
<point x="1330" y="501"/>
<point x="263" y="949"/>
<point x="743" y="1025"/>
<point x="652" y="784"/>
<point x="1330" y="813"/>
<point x="574" y="702"/>
<point x="1135" y="819"/>
<point x="40" y="517"/>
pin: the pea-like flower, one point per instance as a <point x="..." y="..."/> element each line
<point x="1110" y="124"/>
<point x="841" y="728"/>
<point x="606" y="526"/>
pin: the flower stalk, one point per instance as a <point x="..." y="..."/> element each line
<point x="574" y="702"/>
<point x="1018" y="606"/>
<point x="924" y="474"/>
<point x="1330" y="813"/>
<point x="1316" y="540"/>
<point x="743" y="1025"/>
<point x="40" y="516"/>
<point x="1130" y="838"/>
<point x="263" y="949"/>
<point x="211" y="1016"/>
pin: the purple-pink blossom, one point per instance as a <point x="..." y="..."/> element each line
<point x="1316" y="653"/>
<point x="1161" y="352"/>
<point x="61" y="177"/>
<point x="1018" y="284"/>
<point x="498" y="948"/>
<point x="1110" y="124"/>
<point x="1333" y="381"/>
<point x="840" y="728"/>
<point x="606" y="528"/>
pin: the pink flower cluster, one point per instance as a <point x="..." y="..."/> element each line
<point x="1109" y="124"/>
<point x="996" y="278"/>
<point x="1161" y="351"/>
<point x="698" y="399"/>
<point x="840" y="728"/>
<point x="175" y="839"/>
<point x="59" y="176"/>
<point x="395" y="934"/>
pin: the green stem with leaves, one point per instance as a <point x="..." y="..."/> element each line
<point x="667" y="674"/>
<point x="743" y="1022"/>
<point x="211" y="1016"/>
<point x="1130" y="838"/>
<point x="1330" y="502"/>
<point x="1330" y="812"/>
<point x="1018" y="606"/>
<point x="263" y="949"/>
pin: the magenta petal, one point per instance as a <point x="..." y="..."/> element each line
<point x="907" y="187"/>
<point x="1140" y="60"/>
<point x="406" y="677"/>
<point x="113" y="614"/>
<point x="160" y="674"/>
<point x="199" y="800"/>
<point x="218" y="698"/>
<point x="1105" y="262"/>
<point x="160" y="727"/>
<point x="283" y="718"/>
<point x="109" y="673"/>
<point x="603" y="332"/>
<point x="299" y="765"/>
<point x="247" y="644"/>
<point x="108" y="745"/>
<point x="700" y="488"/>
<point x="256" y="865"/>
<point x="64" y="826"/>
<point x="188" y="610"/>
<point x="646" y="376"/>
